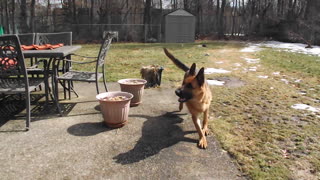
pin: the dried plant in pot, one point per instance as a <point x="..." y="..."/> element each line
<point x="135" y="87"/>
<point x="115" y="107"/>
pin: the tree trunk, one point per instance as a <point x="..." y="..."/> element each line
<point x="309" y="9"/>
<point x="221" y="28"/>
<point x="186" y="5"/>
<point x="7" y="28"/>
<point x="199" y="18"/>
<point x="279" y="8"/>
<point x="1" y="13"/>
<point x="49" y="17"/>
<point x="13" y="17"/>
<point x="74" y="11"/>
<point x="91" y="11"/>
<point x="32" y="14"/>
<point x="23" y="16"/>
<point x="146" y="18"/>
<point x="217" y="15"/>
<point x="234" y="11"/>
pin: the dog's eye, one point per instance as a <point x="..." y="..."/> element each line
<point x="189" y="85"/>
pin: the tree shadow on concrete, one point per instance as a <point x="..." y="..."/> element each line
<point x="157" y="133"/>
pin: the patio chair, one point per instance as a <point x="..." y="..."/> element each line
<point x="54" y="38"/>
<point x="71" y="75"/>
<point x="14" y="78"/>
<point x="27" y="38"/>
<point x="57" y="38"/>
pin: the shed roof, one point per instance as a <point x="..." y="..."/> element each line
<point x="180" y="12"/>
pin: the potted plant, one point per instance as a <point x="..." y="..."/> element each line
<point x="115" y="107"/>
<point x="135" y="87"/>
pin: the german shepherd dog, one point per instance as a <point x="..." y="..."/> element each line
<point x="196" y="94"/>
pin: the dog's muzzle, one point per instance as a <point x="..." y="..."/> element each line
<point x="179" y="93"/>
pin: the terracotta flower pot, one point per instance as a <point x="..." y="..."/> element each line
<point x="115" y="107"/>
<point x="135" y="87"/>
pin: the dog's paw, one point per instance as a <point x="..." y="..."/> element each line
<point x="203" y="143"/>
<point x="205" y="131"/>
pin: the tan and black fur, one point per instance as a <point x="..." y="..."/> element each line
<point x="196" y="94"/>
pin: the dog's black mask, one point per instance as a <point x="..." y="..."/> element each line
<point x="184" y="94"/>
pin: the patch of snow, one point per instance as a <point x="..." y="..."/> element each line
<point x="298" y="81"/>
<point x="294" y="47"/>
<point x="254" y="68"/>
<point x="302" y="92"/>
<point x="219" y="62"/>
<point x="262" y="77"/>
<point x="249" y="60"/>
<point x="214" y="70"/>
<point x="276" y="73"/>
<point x="305" y="107"/>
<point x="285" y="81"/>
<point x="215" y="82"/>
<point x="290" y="47"/>
<point x="252" y="48"/>
<point x="237" y="64"/>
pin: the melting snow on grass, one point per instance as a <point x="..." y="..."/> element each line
<point x="251" y="61"/>
<point x="251" y="48"/>
<point x="263" y="77"/>
<point x="215" y="82"/>
<point x="254" y="68"/>
<point x="213" y="70"/>
<point x="276" y="73"/>
<point x="285" y="81"/>
<point x="305" y="107"/>
<point x="290" y="47"/>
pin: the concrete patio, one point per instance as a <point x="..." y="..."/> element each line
<point x="157" y="143"/>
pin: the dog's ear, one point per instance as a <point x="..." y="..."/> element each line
<point x="192" y="70"/>
<point x="200" y="77"/>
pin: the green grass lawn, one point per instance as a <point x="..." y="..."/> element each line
<point x="255" y="122"/>
<point x="126" y="59"/>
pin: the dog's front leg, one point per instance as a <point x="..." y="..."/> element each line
<point x="180" y="106"/>
<point x="202" y="139"/>
<point x="205" y="122"/>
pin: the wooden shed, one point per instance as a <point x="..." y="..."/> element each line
<point x="180" y="27"/>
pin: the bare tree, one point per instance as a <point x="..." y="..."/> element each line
<point x="13" y="11"/>
<point x="234" y="13"/>
<point x="23" y="16"/>
<point x="6" y="6"/>
<point x="1" y="13"/>
<point x="221" y="19"/>
<point x="146" y="17"/>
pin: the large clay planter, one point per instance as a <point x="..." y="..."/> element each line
<point x="135" y="87"/>
<point x="115" y="112"/>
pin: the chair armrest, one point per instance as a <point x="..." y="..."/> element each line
<point x="35" y="70"/>
<point x="82" y="56"/>
<point x="35" y="66"/>
<point x="77" y="62"/>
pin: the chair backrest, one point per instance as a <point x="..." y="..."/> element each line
<point x="54" y="38"/>
<point x="106" y="43"/>
<point x="11" y="58"/>
<point x="27" y="39"/>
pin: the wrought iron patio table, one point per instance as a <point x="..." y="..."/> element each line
<point x="52" y="54"/>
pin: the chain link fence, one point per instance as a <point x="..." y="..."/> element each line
<point x="126" y="32"/>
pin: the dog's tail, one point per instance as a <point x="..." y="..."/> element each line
<point x="178" y="63"/>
